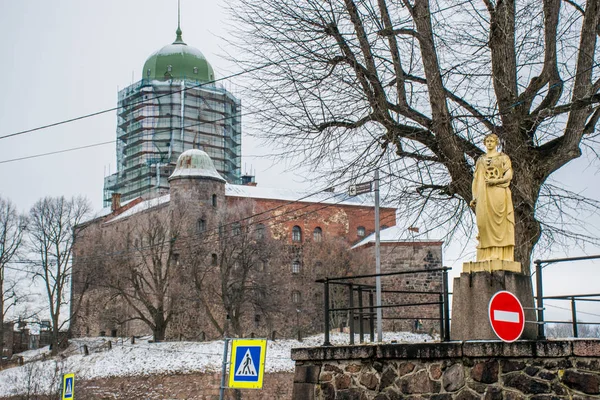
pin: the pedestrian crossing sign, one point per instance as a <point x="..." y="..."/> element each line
<point x="68" y="387"/>
<point x="247" y="364"/>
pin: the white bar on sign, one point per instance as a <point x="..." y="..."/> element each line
<point x="506" y="316"/>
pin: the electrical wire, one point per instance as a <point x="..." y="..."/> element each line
<point x="133" y="103"/>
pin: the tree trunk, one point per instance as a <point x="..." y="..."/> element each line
<point x="160" y="328"/>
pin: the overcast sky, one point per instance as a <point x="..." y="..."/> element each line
<point x="63" y="59"/>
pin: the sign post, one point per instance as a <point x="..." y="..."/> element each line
<point x="68" y="387"/>
<point x="247" y="365"/>
<point x="506" y="316"/>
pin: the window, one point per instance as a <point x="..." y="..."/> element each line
<point x="318" y="234"/>
<point x="360" y="231"/>
<point x="213" y="259"/>
<point x="296" y="297"/>
<point x="262" y="266"/>
<point x="201" y="225"/>
<point x="318" y="266"/>
<point x="296" y="234"/>
<point x="214" y="200"/>
<point x="195" y="70"/>
<point x="169" y="68"/>
<point x="236" y="230"/>
<point x="260" y="232"/>
<point x="296" y="267"/>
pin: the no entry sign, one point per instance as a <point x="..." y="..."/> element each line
<point x="506" y="316"/>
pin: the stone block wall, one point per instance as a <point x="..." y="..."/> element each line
<point x="542" y="370"/>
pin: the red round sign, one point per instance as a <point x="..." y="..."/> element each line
<point x="506" y="316"/>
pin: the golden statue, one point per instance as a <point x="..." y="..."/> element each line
<point x="492" y="202"/>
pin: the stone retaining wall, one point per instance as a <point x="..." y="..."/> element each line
<point x="195" y="386"/>
<point x="543" y="370"/>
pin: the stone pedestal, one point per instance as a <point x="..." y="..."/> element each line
<point x="471" y="296"/>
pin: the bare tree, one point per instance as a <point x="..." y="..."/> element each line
<point x="333" y="257"/>
<point x="565" y="330"/>
<point x="414" y="85"/>
<point x="229" y="272"/>
<point x="12" y="228"/>
<point x="143" y="272"/>
<point x="52" y="222"/>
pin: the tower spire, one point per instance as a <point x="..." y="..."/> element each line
<point x="178" y="32"/>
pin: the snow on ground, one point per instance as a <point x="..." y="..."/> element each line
<point x="40" y="374"/>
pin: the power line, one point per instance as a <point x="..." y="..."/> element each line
<point x="57" y="152"/>
<point x="154" y="132"/>
<point x="133" y="103"/>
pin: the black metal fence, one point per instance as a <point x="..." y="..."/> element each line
<point x="594" y="297"/>
<point x="366" y="313"/>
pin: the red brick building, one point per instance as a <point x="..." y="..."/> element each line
<point x="224" y="259"/>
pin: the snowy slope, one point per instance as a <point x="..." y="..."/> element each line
<point x="144" y="358"/>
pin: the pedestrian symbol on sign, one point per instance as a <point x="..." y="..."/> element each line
<point x="247" y="368"/>
<point x="68" y="387"/>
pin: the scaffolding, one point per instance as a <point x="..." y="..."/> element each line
<point x="159" y="120"/>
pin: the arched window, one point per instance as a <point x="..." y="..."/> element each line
<point x="318" y="234"/>
<point x="260" y="232"/>
<point x="296" y="234"/>
<point x="214" y="200"/>
<point x="295" y="267"/>
<point x="296" y="297"/>
<point x="236" y="230"/>
<point x="201" y="225"/>
<point x="213" y="259"/>
<point x="262" y="265"/>
<point x="360" y="231"/>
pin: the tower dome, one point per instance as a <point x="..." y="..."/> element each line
<point x="178" y="61"/>
<point x="195" y="163"/>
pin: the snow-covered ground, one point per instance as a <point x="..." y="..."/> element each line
<point x="40" y="374"/>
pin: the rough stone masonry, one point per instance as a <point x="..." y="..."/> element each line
<point x="493" y="370"/>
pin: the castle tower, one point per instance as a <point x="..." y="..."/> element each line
<point x="176" y="106"/>
<point x="197" y="189"/>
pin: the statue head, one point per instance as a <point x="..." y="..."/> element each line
<point x="491" y="141"/>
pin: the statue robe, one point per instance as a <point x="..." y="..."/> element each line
<point x="494" y="209"/>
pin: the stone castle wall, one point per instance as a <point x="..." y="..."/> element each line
<point x="406" y="256"/>
<point x="543" y="370"/>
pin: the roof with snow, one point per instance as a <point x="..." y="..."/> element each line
<point x="143" y="206"/>
<point x="255" y="192"/>
<point x="394" y="234"/>
<point x="194" y="163"/>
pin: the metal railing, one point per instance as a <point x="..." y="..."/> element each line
<point x="539" y="266"/>
<point x="368" y="312"/>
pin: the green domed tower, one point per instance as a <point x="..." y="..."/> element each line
<point x="178" y="61"/>
<point x="176" y="106"/>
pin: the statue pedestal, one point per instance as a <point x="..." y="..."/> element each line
<point x="471" y="297"/>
